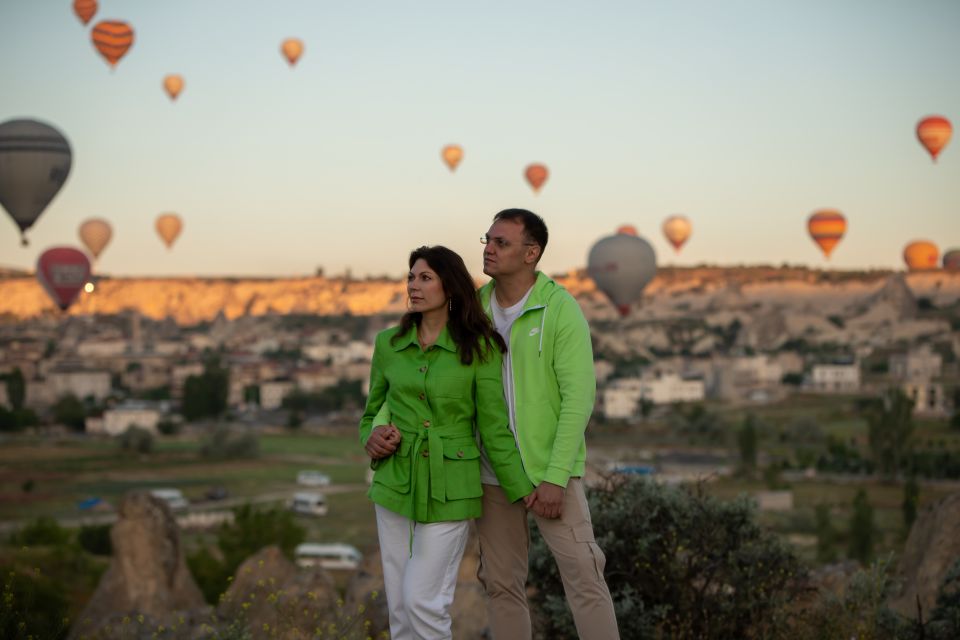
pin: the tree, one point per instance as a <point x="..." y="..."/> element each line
<point x="862" y="531"/>
<point x="747" y="442"/>
<point x="890" y="421"/>
<point x="826" y="534"/>
<point x="70" y="411"/>
<point x="205" y="396"/>
<point x="16" y="388"/>
<point x="911" y="497"/>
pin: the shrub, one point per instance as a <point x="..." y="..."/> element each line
<point x="70" y="411"/>
<point x="136" y="439"/>
<point x="95" y="539"/>
<point x="168" y="427"/>
<point x="44" y="531"/>
<point x="945" y="617"/>
<point x="224" y="443"/>
<point x="32" y="605"/>
<point x="679" y="565"/>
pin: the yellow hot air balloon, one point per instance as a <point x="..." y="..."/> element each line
<point x="292" y="49"/>
<point x="921" y="255"/>
<point x="173" y="85"/>
<point x="452" y="154"/>
<point x="95" y="234"/>
<point x="677" y="228"/>
<point x="826" y="227"/>
<point x="169" y="226"/>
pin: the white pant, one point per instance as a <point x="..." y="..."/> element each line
<point x="420" y="585"/>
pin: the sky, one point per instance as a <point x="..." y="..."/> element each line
<point x="745" y="116"/>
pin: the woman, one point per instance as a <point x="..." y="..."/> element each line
<point x="438" y="376"/>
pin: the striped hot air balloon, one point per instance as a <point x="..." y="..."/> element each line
<point x="85" y="9"/>
<point x="921" y="255"/>
<point x="112" y="38"/>
<point x="452" y="154"/>
<point x="951" y="260"/>
<point x="826" y="227"/>
<point x="536" y="175"/>
<point x="934" y="133"/>
<point x="173" y="85"/>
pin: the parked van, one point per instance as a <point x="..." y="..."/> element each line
<point x="173" y="497"/>
<point x="309" y="504"/>
<point x="313" y="478"/>
<point x="328" y="556"/>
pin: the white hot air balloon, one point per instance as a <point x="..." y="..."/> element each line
<point x="622" y="265"/>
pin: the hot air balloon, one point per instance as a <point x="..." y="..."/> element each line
<point x="112" y="38"/>
<point x="951" y="260"/>
<point x="452" y="154"/>
<point x="627" y="229"/>
<point x="63" y="271"/>
<point x="536" y="175"/>
<point x="934" y="133"/>
<point x="173" y="85"/>
<point x="826" y="227"/>
<point x="85" y="9"/>
<point x="677" y="228"/>
<point x="621" y="265"/>
<point x="168" y="226"/>
<point x="34" y="163"/>
<point x="921" y="255"/>
<point x="95" y="234"/>
<point x="292" y="49"/>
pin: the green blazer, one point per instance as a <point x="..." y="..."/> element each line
<point x="439" y="405"/>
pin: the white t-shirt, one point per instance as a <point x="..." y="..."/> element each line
<point x="503" y="319"/>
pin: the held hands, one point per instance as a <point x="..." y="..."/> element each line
<point x="383" y="441"/>
<point x="546" y="500"/>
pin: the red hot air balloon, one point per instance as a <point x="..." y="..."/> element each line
<point x="627" y="229"/>
<point x="934" y="133"/>
<point x="536" y="175"/>
<point x="63" y="271"/>
<point x="112" y="38"/>
<point x="85" y="9"/>
<point x="826" y="227"/>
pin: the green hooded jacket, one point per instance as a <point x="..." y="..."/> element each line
<point x="554" y="381"/>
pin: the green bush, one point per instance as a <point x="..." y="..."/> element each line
<point x="945" y="618"/>
<point x="224" y="443"/>
<point x="679" y="565"/>
<point x="168" y="427"/>
<point x="136" y="439"/>
<point x="32" y="605"/>
<point x="44" y="531"/>
<point x="95" y="539"/>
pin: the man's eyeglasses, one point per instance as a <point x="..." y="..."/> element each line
<point x="500" y="243"/>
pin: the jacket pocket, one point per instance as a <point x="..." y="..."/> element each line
<point x="394" y="471"/>
<point x="451" y="387"/>
<point x="461" y="469"/>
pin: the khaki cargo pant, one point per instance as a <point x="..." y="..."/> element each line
<point x="504" y="543"/>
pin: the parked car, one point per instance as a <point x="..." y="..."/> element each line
<point x="313" y="478"/>
<point x="309" y="503"/>
<point x="328" y="556"/>
<point x="217" y="493"/>
<point x="173" y="497"/>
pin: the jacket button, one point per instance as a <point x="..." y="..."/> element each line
<point x="426" y="423"/>
<point x="423" y="369"/>
<point x="460" y="453"/>
<point x="425" y="454"/>
<point x="422" y="396"/>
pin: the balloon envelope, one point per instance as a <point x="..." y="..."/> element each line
<point x="95" y="234"/>
<point x="677" y="229"/>
<point x="63" y="271"/>
<point x="169" y="226"/>
<point x="621" y="265"/>
<point x="934" y="133"/>
<point x="826" y="227"/>
<point x="951" y="260"/>
<point x="173" y="85"/>
<point x="112" y="38"/>
<point x="85" y="9"/>
<point x="292" y="49"/>
<point x="627" y="229"/>
<point x="920" y="255"/>
<point x="35" y="161"/>
<point x="452" y="154"/>
<point x="536" y="175"/>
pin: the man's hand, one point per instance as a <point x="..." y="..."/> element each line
<point x="383" y="441"/>
<point x="546" y="500"/>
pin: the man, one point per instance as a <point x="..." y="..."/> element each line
<point x="550" y="387"/>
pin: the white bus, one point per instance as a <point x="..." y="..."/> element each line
<point x="173" y="497"/>
<point x="309" y="503"/>
<point x="327" y="556"/>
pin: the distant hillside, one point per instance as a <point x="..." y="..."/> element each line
<point x="675" y="292"/>
<point x="11" y="272"/>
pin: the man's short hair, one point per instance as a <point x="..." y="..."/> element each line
<point x="534" y="228"/>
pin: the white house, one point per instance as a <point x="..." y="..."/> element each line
<point x="272" y="393"/>
<point x="80" y="383"/>
<point x="621" y="398"/>
<point x="835" y="378"/>
<point x="928" y="397"/>
<point x="918" y="364"/>
<point x="129" y="414"/>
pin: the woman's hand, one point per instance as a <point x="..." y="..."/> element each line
<point x="383" y="441"/>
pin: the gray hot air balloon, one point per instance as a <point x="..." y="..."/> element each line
<point x="621" y="265"/>
<point x="34" y="163"/>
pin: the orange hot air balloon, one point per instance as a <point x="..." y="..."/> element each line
<point x="95" y="234"/>
<point x="292" y="49"/>
<point x="112" y="38"/>
<point x="826" y="227"/>
<point x="677" y="228"/>
<point x="85" y="9"/>
<point x="921" y="255"/>
<point x="173" y="85"/>
<point x="452" y="154"/>
<point x="627" y="230"/>
<point x="934" y="133"/>
<point x="536" y="175"/>
<point x="169" y="227"/>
